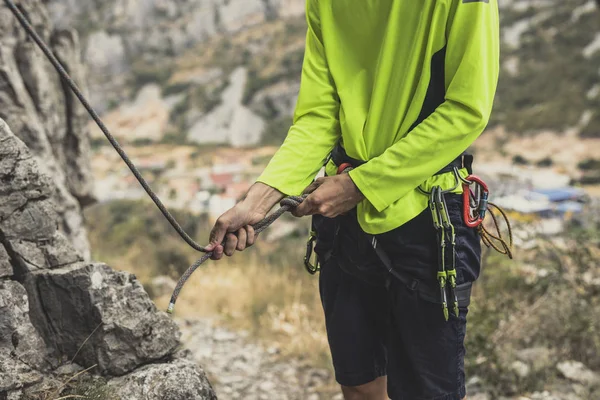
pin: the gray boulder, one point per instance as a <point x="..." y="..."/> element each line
<point x="107" y="310"/>
<point x="177" y="380"/>
<point x="578" y="372"/>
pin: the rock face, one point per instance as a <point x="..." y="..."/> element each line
<point x="28" y="219"/>
<point x="47" y="119"/>
<point x="22" y="350"/>
<point x="57" y="308"/>
<point x="230" y="122"/>
<point x="119" y="33"/>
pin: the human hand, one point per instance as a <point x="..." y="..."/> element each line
<point x="330" y="196"/>
<point x="235" y="225"/>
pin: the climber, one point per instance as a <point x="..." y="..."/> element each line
<point x="396" y="90"/>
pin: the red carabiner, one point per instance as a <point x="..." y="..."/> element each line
<point x="474" y="219"/>
<point x="342" y="167"/>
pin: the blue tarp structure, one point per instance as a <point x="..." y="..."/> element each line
<point x="569" y="207"/>
<point x="562" y="194"/>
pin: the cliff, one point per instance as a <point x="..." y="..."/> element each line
<point x="59" y="312"/>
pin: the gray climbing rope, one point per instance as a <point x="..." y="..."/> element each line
<point x="287" y="204"/>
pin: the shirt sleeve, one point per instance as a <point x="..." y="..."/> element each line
<point x="315" y="128"/>
<point x="471" y="75"/>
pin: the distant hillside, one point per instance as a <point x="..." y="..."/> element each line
<point x="228" y="72"/>
<point x="550" y="78"/>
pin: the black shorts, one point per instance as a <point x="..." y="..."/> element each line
<point x="378" y="325"/>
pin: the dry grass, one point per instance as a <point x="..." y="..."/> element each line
<point x="280" y="306"/>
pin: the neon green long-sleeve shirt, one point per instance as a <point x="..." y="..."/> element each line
<point x="405" y="85"/>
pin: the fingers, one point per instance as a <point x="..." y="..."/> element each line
<point x="311" y="205"/>
<point x="242" y="237"/>
<point x="230" y="244"/>
<point x="302" y="210"/>
<point x="217" y="253"/>
<point x="251" y="235"/>
<point x="218" y="232"/>
<point x="312" y="187"/>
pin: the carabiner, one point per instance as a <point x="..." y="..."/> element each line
<point x="474" y="216"/>
<point x="312" y="269"/>
<point x="343" y="167"/>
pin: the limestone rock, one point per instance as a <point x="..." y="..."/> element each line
<point x="178" y="380"/>
<point x="6" y="269"/>
<point x="22" y="350"/>
<point x="46" y="117"/>
<point x="28" y="218"/>
<point x="231" y="122"/>
<point x="54" y="306"/>
<point x="521" y="369"/>
<point x="110" y="308"/>
<point x="577" y="372"/>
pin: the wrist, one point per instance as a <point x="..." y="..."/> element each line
<point x="261" y="198"/>
<point x="358" y="194"/>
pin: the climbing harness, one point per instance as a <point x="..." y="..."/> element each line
<point x="287" y="204"/>
<point x="476" y="207"/>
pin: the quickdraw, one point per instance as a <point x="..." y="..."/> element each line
<point x="476" y="206"/>
<point x="446" y="237"/>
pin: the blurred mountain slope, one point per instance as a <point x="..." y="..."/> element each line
<point x="203" y="52"/>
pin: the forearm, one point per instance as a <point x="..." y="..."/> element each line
<point x="428" y="148"/>
<point x="316" y="127"/>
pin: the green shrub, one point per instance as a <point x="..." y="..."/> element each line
<point x="545" y="162"/>
<point x="591" y="164"/>
<point x="520" y="160"/>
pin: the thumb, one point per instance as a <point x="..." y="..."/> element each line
<point x="304" y="208"/>
<point x="218" y="232"/>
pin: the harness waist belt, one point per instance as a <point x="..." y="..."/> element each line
<point x="339" y="157"/>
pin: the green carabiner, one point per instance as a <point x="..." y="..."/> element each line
<point x="310" y="267"/>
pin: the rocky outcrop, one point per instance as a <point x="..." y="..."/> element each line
<point x="230" y="122"/>
<point x="108" y="309"/>
<point x="59" y="313"/>
<point x="28" y="218"/>
<point x="56" y="309"/>
<point x="22" y="350"/>
<point x="47" y="119"/>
